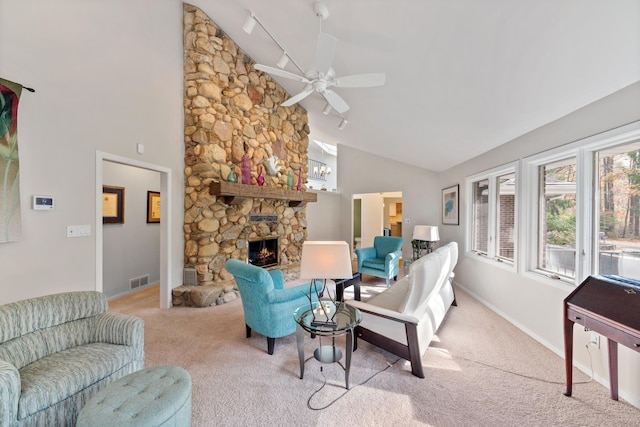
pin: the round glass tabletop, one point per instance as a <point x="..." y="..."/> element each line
<point x="327" y="317"/>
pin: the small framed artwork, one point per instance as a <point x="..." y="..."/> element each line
<point x="112" y="205"/>
<point x="450" y="205"/>
<point x="153" y="207"/>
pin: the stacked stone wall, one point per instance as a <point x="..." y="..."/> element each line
<point x="231" y="111"/>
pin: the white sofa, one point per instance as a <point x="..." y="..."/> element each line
<point x="404" y="318"/>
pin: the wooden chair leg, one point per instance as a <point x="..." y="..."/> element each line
<point x="271" y="343"/>
<point x="414" y="352"/>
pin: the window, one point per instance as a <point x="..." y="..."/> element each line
<point x="481" y="216"/>
<point x="506" y="216"/>
<point x="583" y="210"/>
<point x="618" y="239"/>
<point x="493" y="213"/>
<point x="557" y="218"/>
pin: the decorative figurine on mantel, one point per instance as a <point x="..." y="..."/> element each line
<point x="290" y="180"/>
<point x="232" y="177"/>
<point x="260" y="178"/>
<point x="246" y="169"/>
<point x="299" y="186"/>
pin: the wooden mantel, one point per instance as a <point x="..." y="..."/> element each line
<point x="234" y="194"/>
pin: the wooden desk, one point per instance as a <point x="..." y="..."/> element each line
<point x="609" y="307"/>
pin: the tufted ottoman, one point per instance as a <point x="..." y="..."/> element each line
<point x="158" y="396"/>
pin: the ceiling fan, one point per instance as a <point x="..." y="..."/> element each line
<point x="321" y="77"/>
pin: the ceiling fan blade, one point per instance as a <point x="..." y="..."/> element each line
<point x="361" y="80"/>
<point x="296" y="98"/>
<point x="336" y="102"/>
<point x="325" y="50"/>
<point x="281" y="73"/>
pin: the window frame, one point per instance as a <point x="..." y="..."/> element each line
<point x="492" y="176"/>
<point x="587" y="211"/>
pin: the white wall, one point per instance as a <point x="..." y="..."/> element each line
<point x="131" y="249"/>
<point x="107" y="75"/>
<point x="532" y="303"/>
<point x="420" y="190"/>
<point x="323" y="222"/>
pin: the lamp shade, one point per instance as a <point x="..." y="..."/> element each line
<point x="427" y="233"/>
<point x="325" y="260"/>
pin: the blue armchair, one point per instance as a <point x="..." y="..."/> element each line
<point x="268" y="305"/>
<point x="382" y="259"/>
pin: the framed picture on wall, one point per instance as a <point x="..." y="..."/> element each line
<point x="112" y="205"/>
<point x="153" y="207"/>
<point x="450" y="205"/>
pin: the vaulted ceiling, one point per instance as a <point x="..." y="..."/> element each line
<point x="462" y="77"/>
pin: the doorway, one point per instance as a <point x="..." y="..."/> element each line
<point x="165" y="223"/>
<point x="375" y="214"/>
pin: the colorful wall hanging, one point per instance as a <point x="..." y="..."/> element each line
<point x="10" y="221"/>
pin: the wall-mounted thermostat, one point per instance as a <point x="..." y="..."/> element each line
<point x="43" y="203"/>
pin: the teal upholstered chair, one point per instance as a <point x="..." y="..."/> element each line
<point x="381" y="259"/>
<point x="268" y="305"/>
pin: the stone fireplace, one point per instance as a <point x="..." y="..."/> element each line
<point x="232" y="117"/>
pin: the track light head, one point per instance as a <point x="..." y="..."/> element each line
<point x="249" y="23"/>
<point x="343" y="124"/>
<point x="327" y="109"/>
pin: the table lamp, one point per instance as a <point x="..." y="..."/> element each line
<point x="425" y="236"/>
<point x="322" y="260"/>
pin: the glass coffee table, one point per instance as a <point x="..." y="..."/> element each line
<point x="327" y="319"/>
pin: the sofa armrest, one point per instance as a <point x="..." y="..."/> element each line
<point x="9" y="393"/>
<point x="122" y="329"/>
<point x="383" y="312"/>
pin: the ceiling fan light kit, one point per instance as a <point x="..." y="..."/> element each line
<point x="321" y="77"/>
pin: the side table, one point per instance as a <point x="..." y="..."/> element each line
<point x="327" y="319"/>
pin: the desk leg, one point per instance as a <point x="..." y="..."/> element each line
<point x="613" y="368"/>
<point x="356" y="289"/>
<point x="300" y="341"/>
<point x="348" y="356"/>
<point x="568" y="353"/>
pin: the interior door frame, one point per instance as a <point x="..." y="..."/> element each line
<point x="165" y="224"/>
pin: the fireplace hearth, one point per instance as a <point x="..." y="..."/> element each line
<point x="263" y="252"/>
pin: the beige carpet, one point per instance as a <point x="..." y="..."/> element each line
<point x="480" y="371"/>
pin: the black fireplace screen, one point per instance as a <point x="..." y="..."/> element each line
<point x="263" y="253"/>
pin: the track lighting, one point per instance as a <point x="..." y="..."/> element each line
<point x="343" y="124"/>
<point x="284" y="59"/>
<point x="249" y="23"/>
<point x="327" y="109"/>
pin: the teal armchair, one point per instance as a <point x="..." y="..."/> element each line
<point x="268" y="305"/>
<point x="382" y="259"/>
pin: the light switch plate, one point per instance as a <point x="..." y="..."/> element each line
<point x="78" y="230"/>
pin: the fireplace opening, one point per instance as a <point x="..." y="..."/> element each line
<point x="263" y="252"/>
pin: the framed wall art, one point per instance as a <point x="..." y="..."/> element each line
<point x="112" y="205"/>
<point x="450" y="205"/>
<point x="153" y="207"/>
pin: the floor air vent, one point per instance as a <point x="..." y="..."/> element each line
<point x="136" y="282"/>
